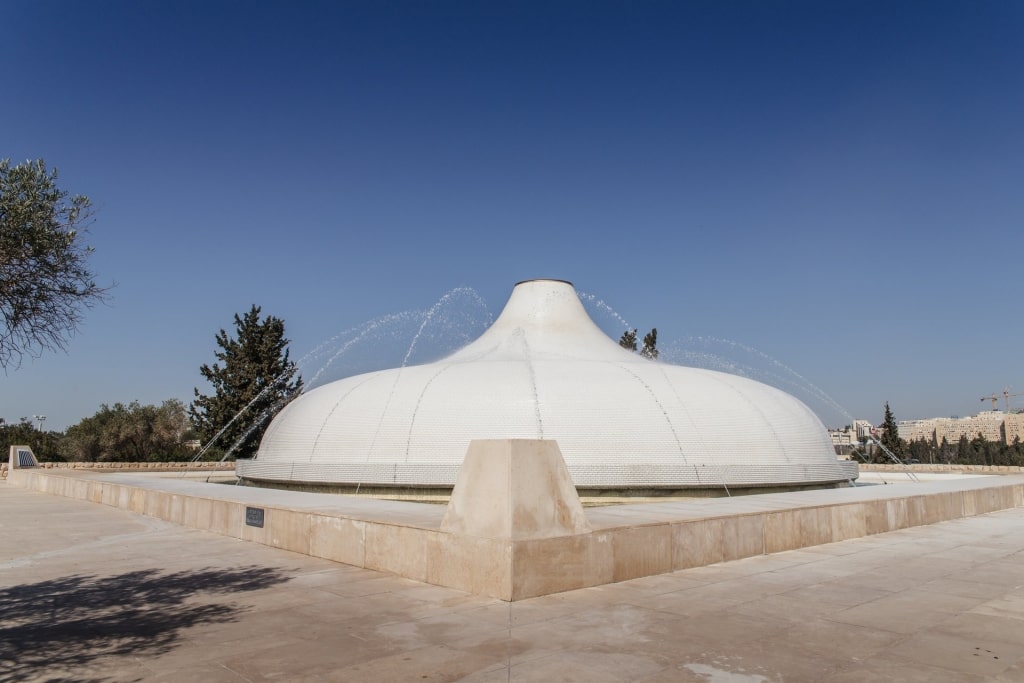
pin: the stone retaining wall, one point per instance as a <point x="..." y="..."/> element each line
<point x="230" y="466"/>
<point x="926" y="467"/>
<point x="131" y="466"/>
<point x="625" y="542"/>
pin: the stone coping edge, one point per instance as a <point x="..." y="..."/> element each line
<point x="929" y="467"/>
<point x="175" y="466"/>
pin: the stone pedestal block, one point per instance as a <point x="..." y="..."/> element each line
<point x="516" y="521"/>
<point x="514" y="489"/>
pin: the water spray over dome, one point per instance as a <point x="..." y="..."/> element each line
<point x="544" y="370"/>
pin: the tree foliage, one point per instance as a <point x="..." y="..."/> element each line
<point x="45" y="279"/>
<point x="131" y="433"/>
<point x="650" y="349"/>
<point x="252" y="381"/>
<point x="45" y="445"/>
<point x="976" y="451"/>
<point x="628" y="340"/>
<point x="890" y="437"/>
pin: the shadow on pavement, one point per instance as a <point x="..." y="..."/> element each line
<point x="61" y="625"/>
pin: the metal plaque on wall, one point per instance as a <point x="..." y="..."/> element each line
<point x="254" y="517"/>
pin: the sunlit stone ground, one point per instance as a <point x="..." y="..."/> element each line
<point x="92" y="593"/>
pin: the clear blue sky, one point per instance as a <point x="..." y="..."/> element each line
<point x="837" y="185"/>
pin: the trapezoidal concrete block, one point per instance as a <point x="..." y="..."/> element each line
<point x="514" y="489"/>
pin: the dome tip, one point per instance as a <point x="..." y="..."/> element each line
<point x="543" y="279"/>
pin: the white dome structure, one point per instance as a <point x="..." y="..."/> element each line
<point x="544" y="370"/>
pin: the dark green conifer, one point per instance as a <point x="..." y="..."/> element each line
<point x="253" y="381"/>
<point x="628" y="340"/>
<point x="650" y="349"/>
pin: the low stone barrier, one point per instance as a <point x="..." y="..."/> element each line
<point x="927" y="467"/>
<point x="131" y="466"/>
<point x="496" y="557"/>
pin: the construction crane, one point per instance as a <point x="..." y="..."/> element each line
<point x="1006" y="398"/>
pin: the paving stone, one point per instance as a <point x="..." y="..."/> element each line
<point x="938" y="603"/>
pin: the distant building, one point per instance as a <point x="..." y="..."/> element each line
<point x="864" y="429"/>
<point x="1013" y="427"/>
<point x="843" y="437"/>
<point x="851" y="435"/>
<point x="847" y="439"/>
<point x="993" y="425"/>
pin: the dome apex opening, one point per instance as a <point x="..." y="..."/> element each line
<point x="542" y="279"/>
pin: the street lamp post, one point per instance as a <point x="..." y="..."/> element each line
<point x="41" y="419"/>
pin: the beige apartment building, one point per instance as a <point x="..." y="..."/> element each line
<point x="994" y="425"/>
<point x="843" y="437"/>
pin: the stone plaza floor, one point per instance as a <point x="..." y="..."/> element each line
<point x="93" y="593"/>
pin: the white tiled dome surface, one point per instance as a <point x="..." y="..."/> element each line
<point x="544" y="370"/>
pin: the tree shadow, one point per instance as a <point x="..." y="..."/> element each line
<point x="61" y="625"/>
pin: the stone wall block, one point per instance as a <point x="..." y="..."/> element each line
<point x="198" y="513"/>
<point x="109" y="494"/>
<point x="227" y="517"/>
<point x="896" y="513"/>
<point x="915" y="511"/>
<point x="338" y="539"/>
<point x="781" y="531"/>
<point x="81" y="488"/>
<point x="289" y="530"/>
<point x="397" y="549"/>
<point x="158" y="504"/>
<point x="848" y="521"/>
<point x="641" y="551"/>
<point x="95" y="491"/>
<point x="742" y="536"/>
<point x="137" y="501"/>
<point x="550" y="565"/>
<point x="176" y="509"/>
<point x="688" y="543"/>
<point x="124" y="497"/>
<point x="476" y="565"/>
<point x="815" y="526"/>
<point x="599" y="564"/>
<point x="970" y="501"/>
<point x="714" y="540"/>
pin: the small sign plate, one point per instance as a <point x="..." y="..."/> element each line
<point x="254" y="517"/>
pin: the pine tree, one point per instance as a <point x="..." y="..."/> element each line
<point x="254" y="382"/>
<point x="890" y="436"/>
<point x="650" y="349"/>
<point x="963" y="450"/>
<point x="628" y="340"/>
